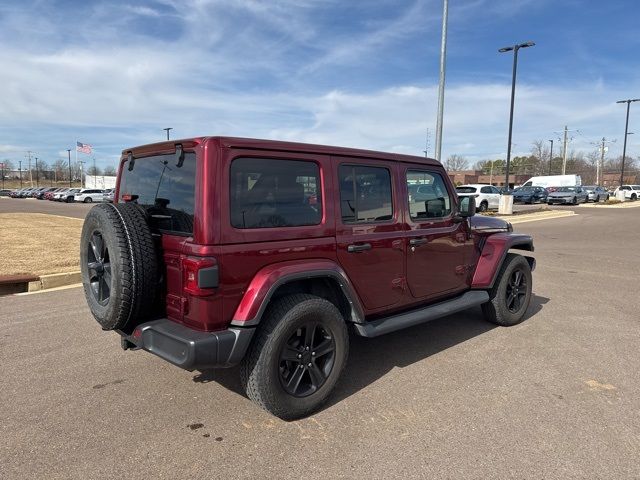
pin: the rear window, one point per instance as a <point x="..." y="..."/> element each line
<point x="168" y="190"/>
<point x="466" y="189"/>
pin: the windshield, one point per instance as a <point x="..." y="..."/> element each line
<point x="167" y="189"/>
<point x="466" y="189"/>
<point x="525" y="189"/>
<point x="566" y="189"/>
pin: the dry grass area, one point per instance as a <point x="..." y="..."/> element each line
<point x="39" y="244"/>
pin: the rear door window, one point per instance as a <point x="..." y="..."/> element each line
<point x="267" y="193"/>
<point x="365" y="194"/>
<point x="166" y="188"/>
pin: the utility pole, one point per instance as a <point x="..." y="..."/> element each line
<point x="81" y="163"/>
<point x="550" y="156"/>
<point x="20" y="171"/>
<point x="95" y="173"/>
<point x="564" y="151"/>
<point x="426" y="147"/>
<point x="443" y="65"/>
<point x="69" y="155"/>
<point x="626" y="129"/>
<point x="37" y="174"/>
<point x="30" y="173"/>
<point x="2" y="173"/>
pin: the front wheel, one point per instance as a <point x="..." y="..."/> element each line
<point x="574" y="201"/>
<point x="88" y="200"/>
<point x="510" y="296"/>
<point x="484" y="206"/>
<point x="296" y="357"/>
<point x="634" y="197"/>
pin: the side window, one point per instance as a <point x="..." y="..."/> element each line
<point x="495" y="190"/>
<point x="268" y="192"/>
<point x="428" y="195"/>
<point x="365" y="194"/>
<point x="485" y="190"/>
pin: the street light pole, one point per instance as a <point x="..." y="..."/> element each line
<point x="626" y="129"/>
<point x="515" y="49"/>
<point x="167" y="130"/>
<point x="550" y="156"/>
<point x="443" y="64"/>
<point x="20" y="171"/>
<point x="37" y="174"/>
<point x="69" y="155"/>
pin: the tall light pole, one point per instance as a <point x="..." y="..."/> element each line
<point x="167" y="130"/>
<point x="20" y="171"/>
<point x="626" y="129"/>
<point x="69" y="155"/>
<point x="443" y="64"/>
<point x="550" y="156"/>
<point x="515" y="49"/>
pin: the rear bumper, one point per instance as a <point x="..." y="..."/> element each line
<point x="187" y="348"/>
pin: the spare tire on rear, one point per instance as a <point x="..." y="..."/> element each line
<point x="118" y="264"/>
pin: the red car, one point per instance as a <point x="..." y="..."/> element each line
<point x="214" y="255"/>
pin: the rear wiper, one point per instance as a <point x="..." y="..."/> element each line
<point x="131" y="160"/>
<point x="179" y="155"/>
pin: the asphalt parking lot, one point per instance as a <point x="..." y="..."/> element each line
<point x="555" y="397"/>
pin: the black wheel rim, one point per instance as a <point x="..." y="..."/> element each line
<point x="516" y="291"/>
<point x="306" y="359"/>
<point x="99" y="267"/>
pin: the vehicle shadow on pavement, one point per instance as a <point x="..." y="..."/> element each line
<point x="372" y="358"/>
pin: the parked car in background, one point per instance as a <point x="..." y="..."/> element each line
<point x="68" y="195"/>
<point x="5" y="192"/>
<point x="108" y="195"/>
<point x="530" y="195"/>
<point x="631" y="192"/>
<point x="89" y="195"/>
<point x="40" y="195"/>
<point x="571" y="195"/>
<point x="49" y="195"/>
<point x="486" y="196"/>
<point x="596" y="193"/>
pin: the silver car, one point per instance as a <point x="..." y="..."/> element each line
<point x="596" y="193"/>
<point x="567" y="195"/>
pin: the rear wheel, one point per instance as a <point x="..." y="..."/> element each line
<point x="296" y="357"/>
<point x="511" y="293"/>
<point x="88" y="200"/>
<point x="483" y="207"/>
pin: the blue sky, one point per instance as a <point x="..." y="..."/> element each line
<point x="350" y="73"/>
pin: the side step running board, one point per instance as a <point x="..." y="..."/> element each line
<point x="470" y="299"/>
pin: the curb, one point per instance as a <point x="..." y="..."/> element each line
<point x="537" y="216"/>
<point x="617" y="205"/>
<point x="54" y="280"/>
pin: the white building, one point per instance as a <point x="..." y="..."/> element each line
<point x="99" y="181"/>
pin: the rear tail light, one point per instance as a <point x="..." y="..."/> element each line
<point x="199" y="275"/>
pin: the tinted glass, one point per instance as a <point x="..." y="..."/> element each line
<point x="435" y="204"/>
<point x="159" y="183"/>
<point x="485" y="190"/>
<point x="466" y="189"/>
<point x="269" y="192"/>
<point x="365" y="194"/>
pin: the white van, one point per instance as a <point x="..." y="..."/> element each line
<point x="554" y="181"/>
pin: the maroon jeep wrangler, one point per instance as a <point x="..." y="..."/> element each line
<point x="224" y="251"/>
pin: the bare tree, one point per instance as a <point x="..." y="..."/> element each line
<point x="456" y="163"/>
<point x="109" y="171"/>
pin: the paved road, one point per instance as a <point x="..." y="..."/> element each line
<point x="555" y="397"/>
<point x="31" y="205"/>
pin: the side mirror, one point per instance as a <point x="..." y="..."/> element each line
<point x="467" y="207"/>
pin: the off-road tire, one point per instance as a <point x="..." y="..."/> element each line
<point x="495" y="310"/>
<point x="260" y="374"/>
<point x="133" y="264"/>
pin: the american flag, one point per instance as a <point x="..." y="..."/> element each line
<point x="83" y="148"/>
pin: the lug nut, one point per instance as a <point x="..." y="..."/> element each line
<point x="301" y="366"/>
<point x="299" y="355"/>
<point x="313" y="354"/>
<point x="309" y="365"/>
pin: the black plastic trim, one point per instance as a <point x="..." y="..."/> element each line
<point x="208" y="277"/>
<point x="385" y="325"/>
<point x="357" y="314"/>
<point x="190" y="349"/>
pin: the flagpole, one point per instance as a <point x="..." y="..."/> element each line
<point x="77" y="163"/>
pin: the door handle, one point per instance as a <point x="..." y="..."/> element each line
<point x="359" y="248"/>
<point x="414" y="242"/>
